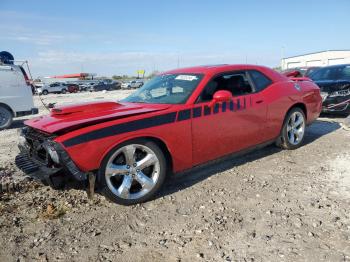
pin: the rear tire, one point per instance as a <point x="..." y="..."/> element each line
<point x="64" y="91"/>
<point x="132" y="172"/>
<point x="6" y="118"/>
<point x="293" y="130"/>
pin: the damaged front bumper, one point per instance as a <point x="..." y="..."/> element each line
<point x="41" y="157"/>
<point x="336" y="102"/>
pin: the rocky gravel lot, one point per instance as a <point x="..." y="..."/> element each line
<point x="269" y="205"/>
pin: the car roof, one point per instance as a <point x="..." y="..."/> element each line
<point x="334" y="66"/>
<point x="216" y="69"/>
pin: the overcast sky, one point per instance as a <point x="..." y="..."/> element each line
<point x="120" y="37"/>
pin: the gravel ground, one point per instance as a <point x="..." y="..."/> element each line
<point x="269" y="205"/>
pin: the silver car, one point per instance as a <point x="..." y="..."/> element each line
<point x="132" y="84"/>
<point x="53" y="88"/>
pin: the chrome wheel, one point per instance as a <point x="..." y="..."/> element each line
<point x="132" y="171"/>
<point x="295" y="128"/>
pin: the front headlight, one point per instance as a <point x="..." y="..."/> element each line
<point x="53" y="154"/>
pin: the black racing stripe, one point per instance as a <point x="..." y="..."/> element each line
<point x="122" y="128"/>
<point x="223" y="109"/>
<point x="184" y="115"/>
<point x="207" y="110"/>
<point x="197" y="112"/>
<point x="216" y="108"/>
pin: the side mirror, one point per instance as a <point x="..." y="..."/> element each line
<point x="221" y="96"/>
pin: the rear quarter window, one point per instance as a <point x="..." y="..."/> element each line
<point x="260" y="80"/>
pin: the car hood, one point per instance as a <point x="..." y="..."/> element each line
<point x="71" y="117"/>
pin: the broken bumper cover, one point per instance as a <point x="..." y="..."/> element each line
<point x="334" y="102"/>
<point x="41" y="157"/>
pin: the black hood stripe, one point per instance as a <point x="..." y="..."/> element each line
<point x="122" y="128"/>
<point x="154" y="121"/>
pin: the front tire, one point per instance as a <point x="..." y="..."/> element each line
<point x="45" y="92"/>
<point x="133" y="172"/>
<point x="6" y="118"/>
<point x="293" y="130"/>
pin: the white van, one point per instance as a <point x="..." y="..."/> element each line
<point x="16" y="97"/>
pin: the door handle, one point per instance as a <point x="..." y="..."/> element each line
<point x="259" y="101"/>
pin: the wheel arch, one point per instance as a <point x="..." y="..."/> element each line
<point x="8" y="108"/>
<point x="300" y="105"/>
<point x="163" y="146"/>
<point x="158" y="141"/>
<point x="280" y="140"/>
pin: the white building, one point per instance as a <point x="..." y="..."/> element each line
<point x="323" y="58"/>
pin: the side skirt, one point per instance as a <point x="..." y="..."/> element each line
<point x="226" y="157"/>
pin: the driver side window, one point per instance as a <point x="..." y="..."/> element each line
<point x="237" y="83"/>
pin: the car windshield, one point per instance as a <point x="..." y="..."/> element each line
<point x="325" y="73"/>
<point x="166" y="89"/>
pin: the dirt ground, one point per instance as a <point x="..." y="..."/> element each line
<point x="269" y="205"/>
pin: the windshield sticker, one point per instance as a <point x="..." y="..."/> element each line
<point x="186" y="77"/>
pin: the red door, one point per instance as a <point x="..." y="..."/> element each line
<point x="227" y="127"/>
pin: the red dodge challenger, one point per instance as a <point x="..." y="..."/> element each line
<point x="177" y="120"/>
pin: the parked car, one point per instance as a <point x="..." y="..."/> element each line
<point x="86" y="86"/>
<point x="177" y="120"/>
<point x="15" y="91"/>
<point x="132" y="84"/>
<point x="103" y="86"/>
<point x="334" y="82"/>
<point x="72" y="88"/>
<point x="56" y="88"/>
<point x="118" y="84"/>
